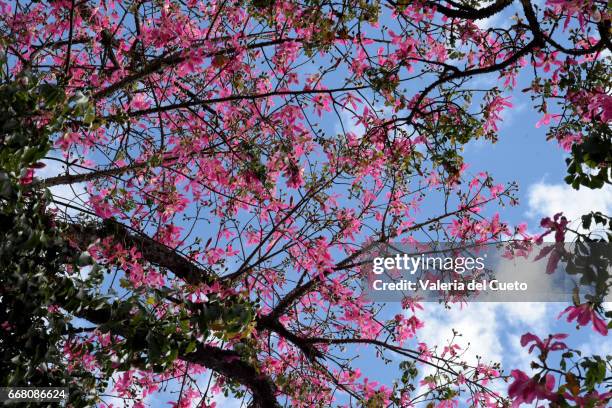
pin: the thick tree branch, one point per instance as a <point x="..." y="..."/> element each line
<point x="225" y="362"/>
<point x="151" y="250"/>
<point x="465" y="12"/>
<point x="84" y="177"/>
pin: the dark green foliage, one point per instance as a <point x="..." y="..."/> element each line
<point x="591" y="160"/>
<point x="32" y="251"/>
<point x="38" y="297"/>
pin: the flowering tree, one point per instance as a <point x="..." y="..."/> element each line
<point x="206" y="217"/>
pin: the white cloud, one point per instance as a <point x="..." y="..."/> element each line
<point x="486" y="23"/>
<point x="500" y="20"/>
<point x="518" y="357"/>
<point x="526" y="315"/>
<point x="489" y="330"/>
<point x="74" y="194"/>
<point x="476" y="322"/>
<point x="227" y="402"/>
<point x="548" y="199"/>
<point x="483" y="326"/>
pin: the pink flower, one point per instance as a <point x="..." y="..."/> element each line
<point x="547" y="118"/>
<point x="101" y="205"/>
<point x="321" y="104"/>
<point x="544" y="346"/>
<point x="139" y="102"/>
<point x="525" y="389"/>
<point x="451" y="350"/>
<point x="495" y="108"/>
<point x="548" y="60"/>
<point x="602" y="103"/>
<point x="569" y="8"/>
<point x="27" y="178"/>
<point x="294" y="174"/>
<point x="487" y="372"/>
<point x="558" y="224"/>
<point x="122" y="384"/>
<point x="424" y="351"/>
<point x="567" y="140"/>
<point x="53" y="309"/>
<point x="583" y="314"/>
<point x="411" y="303"/>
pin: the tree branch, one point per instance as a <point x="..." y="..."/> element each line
<point x="466" y="12"/>
<point x="154" y="252"/>
<point x="225" y="362"/>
